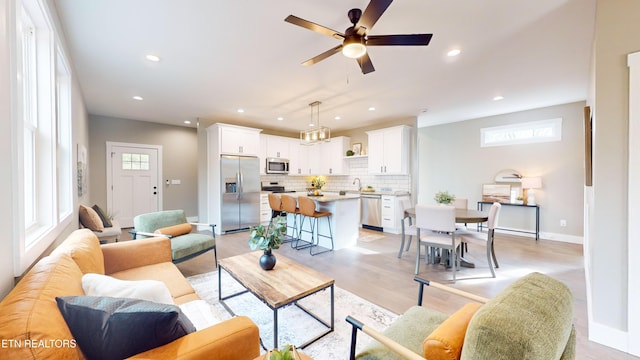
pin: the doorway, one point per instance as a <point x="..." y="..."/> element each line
<point x="134" y="173"/>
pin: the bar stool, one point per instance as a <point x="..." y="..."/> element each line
<point x="275" y="203"/>
<point x="308" y="210"/>
<point x="289" y="205"/>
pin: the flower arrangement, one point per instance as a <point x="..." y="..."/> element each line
<point x="270" y="237"/>
<point x="318" y="182"/>
<point x="443" y="197"/>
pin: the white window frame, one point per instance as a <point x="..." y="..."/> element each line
<point x="522" y="133"/>
<point x="42" y="115"/>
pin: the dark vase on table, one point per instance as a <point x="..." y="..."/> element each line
<point x="267" y="260"/>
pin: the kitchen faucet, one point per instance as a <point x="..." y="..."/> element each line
<point x="359" y="185"/>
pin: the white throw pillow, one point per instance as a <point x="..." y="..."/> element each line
<point x="200" y="313"/>
<point x="103" y="285"/>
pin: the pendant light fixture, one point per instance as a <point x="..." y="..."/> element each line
<point x="317" y="134"/>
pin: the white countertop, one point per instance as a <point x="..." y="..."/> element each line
<point x="327" y="196"/>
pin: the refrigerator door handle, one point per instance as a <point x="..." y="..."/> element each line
<point x="239" y="186"/>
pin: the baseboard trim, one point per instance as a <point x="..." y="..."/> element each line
<point x="572" y="239"/>
<point x="608" y="336"/>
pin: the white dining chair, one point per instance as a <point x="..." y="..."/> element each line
<point x="485" y="239"/>
<point x="408" y="228"/>
<point x="436" y="228"/>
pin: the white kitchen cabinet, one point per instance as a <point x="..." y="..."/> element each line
<point x="237" y="140"/>
<point x="263" y="155"/>
<point x="389" y="150"/>
<point x="392" y="213"/>
<point x="331" y="158"/>
<point x="277" y="146"/>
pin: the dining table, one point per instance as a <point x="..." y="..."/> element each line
<point x="463" y="216"/>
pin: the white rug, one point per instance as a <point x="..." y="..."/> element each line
<point x="294" y="326"/>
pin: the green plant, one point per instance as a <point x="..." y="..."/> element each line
<point x="350" y="153"/>
<point x="287" y="352"/>
<point x="318" y="182"/>
<point x="267" y="238"/>
<point x="443" y="197"/>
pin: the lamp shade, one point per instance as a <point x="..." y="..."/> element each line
<point x="531" y="183"/>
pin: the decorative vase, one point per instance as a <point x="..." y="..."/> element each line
<point x="267" y="260"/>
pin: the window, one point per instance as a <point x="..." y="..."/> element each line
<point x="43" y="113"/>
<point x="135" y="161"/>
<point x="523" y="133"/>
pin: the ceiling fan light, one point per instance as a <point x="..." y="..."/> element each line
<point x="354" y="50"/>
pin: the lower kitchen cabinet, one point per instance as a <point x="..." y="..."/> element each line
<point x="265" y="209"/>
<point x="392" y="213"/>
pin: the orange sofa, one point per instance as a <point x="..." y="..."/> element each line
<point x="32" y="327"/>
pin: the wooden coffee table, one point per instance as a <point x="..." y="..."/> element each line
<point x="287" y="283"/>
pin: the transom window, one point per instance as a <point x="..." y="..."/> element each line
<point x="522" y="133"/>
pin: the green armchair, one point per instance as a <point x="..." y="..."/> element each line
<point x="531" y="319"/>
<point x="173" y="224"/>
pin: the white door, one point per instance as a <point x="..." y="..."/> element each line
<point x="133" y="180"/>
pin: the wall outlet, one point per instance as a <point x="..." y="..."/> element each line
<point x="563" y="223"/>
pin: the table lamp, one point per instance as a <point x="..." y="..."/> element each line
<point x="531" y="183"/>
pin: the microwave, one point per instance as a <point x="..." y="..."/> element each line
<point x="277" y="166"/>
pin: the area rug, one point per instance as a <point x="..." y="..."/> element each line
<point x="294" y="325"/>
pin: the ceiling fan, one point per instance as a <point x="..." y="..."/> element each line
<point x="356" y="38"/>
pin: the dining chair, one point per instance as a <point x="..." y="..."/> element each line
<point x="290" y="207"/>
<point x="461" y="203"/>
<point x="436" y="228"/>
<point x="486" y="239"/>
<point x="408" y="228"/>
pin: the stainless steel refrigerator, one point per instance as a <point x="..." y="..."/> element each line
<point x="240" y="178"/>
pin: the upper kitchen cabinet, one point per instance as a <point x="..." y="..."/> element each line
<point x="277" y="146"/>
<point x="389" y="150"/>
<point x="331" y="157"/>
<point x="237" y="140"/>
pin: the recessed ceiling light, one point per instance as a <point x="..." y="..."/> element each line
<point x="499" y="97"/>
<point x="280" y="118"/>
<point x="454" y="52"/>
<point x="154" y="58"/>
<point x="337" y="118"/>
<point x="240" y="111"/>
<point x="139" y="98"/>
<point x="372" y="108"/>
<point x="187" y="122"/>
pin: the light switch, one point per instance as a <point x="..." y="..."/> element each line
<point x="175" y="182"/>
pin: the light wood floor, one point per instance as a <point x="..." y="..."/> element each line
<point x="372" y="271"/>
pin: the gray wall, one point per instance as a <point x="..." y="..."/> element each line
<point x="451" y="159"/>
<point x="179" y="158"/>
<point x="617" y="29"/>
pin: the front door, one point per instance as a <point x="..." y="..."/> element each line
<point x="133" y="180"/>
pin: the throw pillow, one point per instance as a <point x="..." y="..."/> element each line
<point x="445" y="342"/>
<point x="106" y="221"/>
<point x="175" y="230"/>
<point x="90" y="219"/>
<point x="103" y="285"/>
<point x="117" y="328"/>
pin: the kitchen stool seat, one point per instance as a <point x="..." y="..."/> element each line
<point x="289" y="205"/>
<point x="308" y="211"/>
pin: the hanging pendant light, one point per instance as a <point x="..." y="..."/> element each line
<point x="319" y="133"/>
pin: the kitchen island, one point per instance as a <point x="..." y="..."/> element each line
<point x="344" y="221"/>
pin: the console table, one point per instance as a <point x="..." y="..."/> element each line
<point x="536" y="207"/>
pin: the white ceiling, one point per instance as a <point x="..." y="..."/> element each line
<point x="218" y="56"/>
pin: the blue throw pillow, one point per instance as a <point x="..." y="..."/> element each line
<point x="117" y="328"/>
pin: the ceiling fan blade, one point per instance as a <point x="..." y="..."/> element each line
<point x="365" y="64"/>
<point x="371" y="14"/>
<point x="314" y="27"/>
<point x="323" y="56"/>
<point x="406" y="40"/>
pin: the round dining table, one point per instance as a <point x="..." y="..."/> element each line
<point x="463" y="216"/>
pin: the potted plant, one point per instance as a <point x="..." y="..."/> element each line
<point x="443" y="197"/>
<point x="317" y="183"/>
<point x="267" y="239"/>
<point x="287" y="352"/>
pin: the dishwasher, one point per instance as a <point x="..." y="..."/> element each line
<point x="371" y="211"/>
